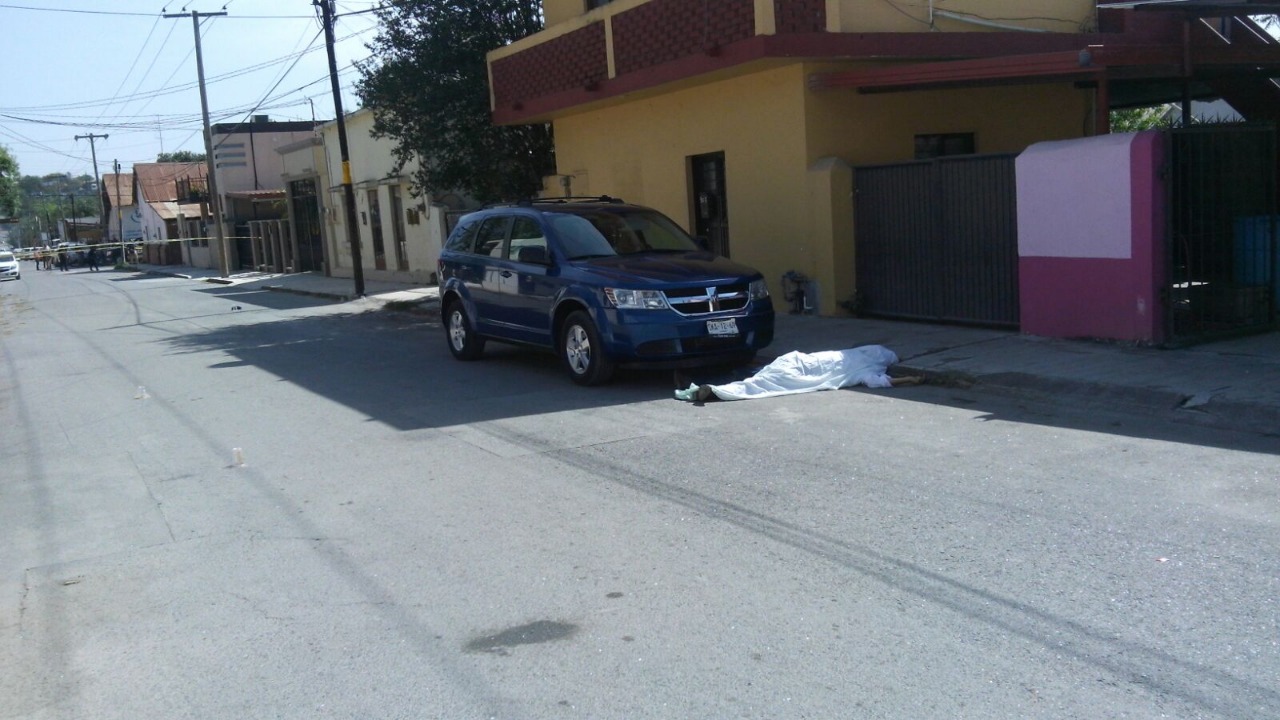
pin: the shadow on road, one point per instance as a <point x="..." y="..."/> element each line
<point x="395" y="368"/>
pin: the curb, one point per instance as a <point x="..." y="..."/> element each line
<point x="1201" y="411"/>
<point x="403" y="305"/>
<point x="339" y="297"/>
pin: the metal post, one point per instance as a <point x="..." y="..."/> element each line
<point x="71" y="222"/>
<point x="353" y="231"/>
<point x="119" y="212"/>
<point x="215" y="202"/>
<point x="93" y="150"/>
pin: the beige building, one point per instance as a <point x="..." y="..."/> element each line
<point x="248" y="171"/>
<point x="305" y="183"/>
<point x="745" y="120"/>
<point x="400" y="234"/>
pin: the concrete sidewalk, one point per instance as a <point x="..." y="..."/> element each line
<point x="1232" y="384"/>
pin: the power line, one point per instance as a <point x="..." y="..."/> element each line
<point x="80" y="12"/>
<point x="138" y="14"/>
<point x="82" y="105"/>
<point x="174" y="121"/>
<point x="273" y="87"/>
<point x="134" y="64"/>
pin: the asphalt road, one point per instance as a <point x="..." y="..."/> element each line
<point x="408" y="536"/>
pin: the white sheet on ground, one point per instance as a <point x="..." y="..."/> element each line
<point x="798" y="372"/>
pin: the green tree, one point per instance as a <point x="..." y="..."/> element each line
<point x="181" y="156"/>
<point x="9" y="187"/>
<point x="428" y="90"/>
<point x="44" y="200"/>
<point x="1136" y="119"/>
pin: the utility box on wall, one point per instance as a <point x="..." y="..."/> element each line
<point x="1091" y="220"/>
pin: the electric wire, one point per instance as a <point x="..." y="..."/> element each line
<point x="134" y="64"/>
<point x="273" y="88"/>
<point x="128" y="117"/>
<point x="86" y="104"/>
<point x="120" y="13"/>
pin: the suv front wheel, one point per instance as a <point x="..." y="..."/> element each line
<point x="582" y="352"/>
<point x="464" y="343"/>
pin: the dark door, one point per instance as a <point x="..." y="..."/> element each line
<point x="1222" y="254"/>
<point x="938" y="240"/>
<point x="242" y="248"/>
<point x="397" y="228"/>
<point x="375" y="229"/>
<point x="306" y="223"/>
<point x="710" y="202"/>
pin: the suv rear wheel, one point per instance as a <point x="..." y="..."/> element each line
<point x="582" y="352"/>
<point x="464" y="343"/>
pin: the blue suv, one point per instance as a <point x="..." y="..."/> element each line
<point x="600" y="282"/>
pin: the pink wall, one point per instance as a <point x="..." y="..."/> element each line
<point x="1091" y="238"/>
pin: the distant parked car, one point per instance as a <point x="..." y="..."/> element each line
<point x="9" y="268"/>
<point x="601" y="283"/>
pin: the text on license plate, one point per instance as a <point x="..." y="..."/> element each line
<point x="722" y="327"/>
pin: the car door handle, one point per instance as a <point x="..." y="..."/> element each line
<point x="506" y="273"/>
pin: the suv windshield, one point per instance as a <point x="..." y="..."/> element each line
<point x="605" y="232"/>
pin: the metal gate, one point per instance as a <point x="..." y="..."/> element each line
<point x="1222" y="260"/>
<point x="938" y="240"/>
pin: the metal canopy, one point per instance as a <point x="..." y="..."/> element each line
<point x="1198" y="8"/>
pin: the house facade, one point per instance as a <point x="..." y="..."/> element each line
<point x="750" y="122"/>
<point x="173" y="213"/>
<point x="306" y="198"/>
<point x="706" y="112"/>
<point x="400" y="234"/>
<point x="249" y="171"/>
<point x="124" y="219"/>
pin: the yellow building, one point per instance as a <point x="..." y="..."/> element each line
<point x="744" y="120"/>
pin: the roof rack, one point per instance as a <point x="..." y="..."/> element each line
<point x="527" y="202"/>
<point x="576" y="199"/>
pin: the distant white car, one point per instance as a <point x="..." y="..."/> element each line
<point x="9" y="269"/>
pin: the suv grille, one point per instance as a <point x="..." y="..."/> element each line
<point x="704" y="300"/>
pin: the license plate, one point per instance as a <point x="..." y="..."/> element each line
<point x="722" y="327"/>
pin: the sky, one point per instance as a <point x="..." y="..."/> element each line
<point x="119" y="68"/>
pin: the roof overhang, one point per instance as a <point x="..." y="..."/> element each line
<point x="1088" y="64"/>
<point x="257" y="195"/>
<point x="1197" y="8"/>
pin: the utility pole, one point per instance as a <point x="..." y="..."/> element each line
<point x="119" y="211"/>
<point x="71" y="223"/>
<point x="214" y="201"/>
<point x="348" y="194"/>
<point x="102" y="209"/>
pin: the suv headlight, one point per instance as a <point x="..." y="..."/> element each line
<point x="636" y="299"/>
<point x="759" y="289"/>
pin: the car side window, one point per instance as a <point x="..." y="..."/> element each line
<point x="528" y="244"/>
<point x="493" y="235"/>
<point x="579" y="238"/>
<point x="464" y="238"/>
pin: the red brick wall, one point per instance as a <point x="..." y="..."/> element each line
<point x="800" y="16"/>
<point x="570" y="62"/>
<point x="665" y="30"/>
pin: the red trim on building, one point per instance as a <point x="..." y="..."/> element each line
<point x="799" y="16"/>
<point x="661" y="42"/>
<point x="512" y="108"/>
<point x="574" y="60"/>
<point x="664" y="30"/>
